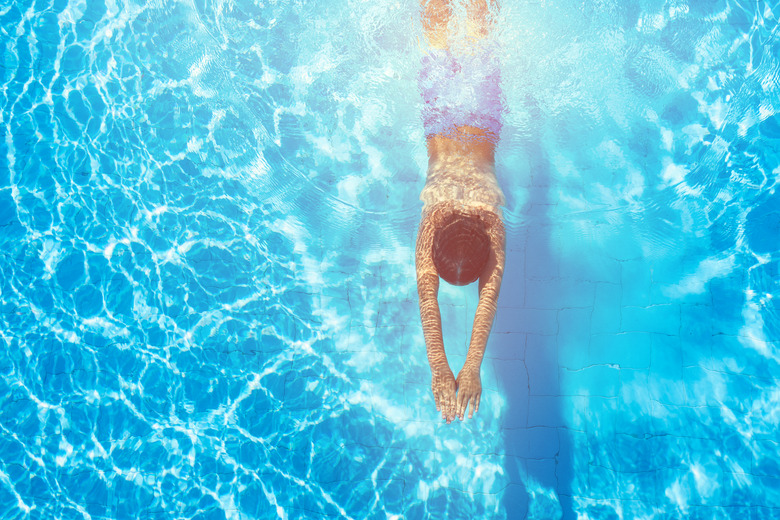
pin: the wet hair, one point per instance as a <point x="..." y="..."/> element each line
<point x="461" y="247"/>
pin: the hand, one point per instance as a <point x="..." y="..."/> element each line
<point x="443" y="386"/>
<point x="469" y="391"/>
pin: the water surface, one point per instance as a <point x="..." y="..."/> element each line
<point x="207" y="294"/>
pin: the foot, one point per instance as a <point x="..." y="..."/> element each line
<point x="443" y="386"/>
<point x="469" y="391"/>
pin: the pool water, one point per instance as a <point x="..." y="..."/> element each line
<point x="207" y="289"/>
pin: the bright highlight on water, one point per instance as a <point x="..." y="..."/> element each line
<point x="208" y="290"/>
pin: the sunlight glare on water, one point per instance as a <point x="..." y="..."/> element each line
<point x="208" y="303"/>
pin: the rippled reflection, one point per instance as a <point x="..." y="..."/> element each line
<point x="207" y="298"/>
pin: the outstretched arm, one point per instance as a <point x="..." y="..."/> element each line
<point x="443" y="383"/>
<point x="468" y="383"/>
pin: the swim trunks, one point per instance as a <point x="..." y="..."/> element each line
<point x="459" y="90"/>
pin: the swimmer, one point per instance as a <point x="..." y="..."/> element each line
<point x="461" y="237"/>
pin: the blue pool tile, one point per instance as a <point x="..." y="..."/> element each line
<point x="573" y="338"/>
<point x="598" y="380"/>
<point x="659" y="319"/>
<point x="626" y="350"/>
<point x="605" y="318"/>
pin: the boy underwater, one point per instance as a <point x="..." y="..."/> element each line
<point x="461" y="237"/>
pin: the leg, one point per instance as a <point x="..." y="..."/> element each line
<point x="479" y="17"/>
<point x="435" y="17"/>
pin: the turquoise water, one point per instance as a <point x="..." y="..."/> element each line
<point x="207" y="295"/>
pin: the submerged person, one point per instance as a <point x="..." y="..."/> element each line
<point x="461" y="236"/>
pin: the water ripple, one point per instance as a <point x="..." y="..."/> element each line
<point x="207" y="218"/>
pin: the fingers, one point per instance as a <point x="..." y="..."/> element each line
<point x="463" y="403"/>
<point x="442" y="399"/>
<point x="470" y="399"/>
<point x="474" y="401"/>
<point x="452" y="405"/>
<point x="445" y="398"/>
<point x="466" y="397"/>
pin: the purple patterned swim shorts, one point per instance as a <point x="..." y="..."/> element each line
<point x="462" y="89"/>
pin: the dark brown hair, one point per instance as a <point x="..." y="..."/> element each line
<point x="461" y="247"/>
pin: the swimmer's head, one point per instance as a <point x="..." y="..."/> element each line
<point x="461" y="247"/>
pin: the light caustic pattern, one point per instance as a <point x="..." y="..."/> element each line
<point x="207" y="299"/>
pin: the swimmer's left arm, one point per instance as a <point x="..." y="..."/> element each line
<point x="469" y="384"/>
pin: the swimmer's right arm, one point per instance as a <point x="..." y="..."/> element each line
<point x="443" y="380"/>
